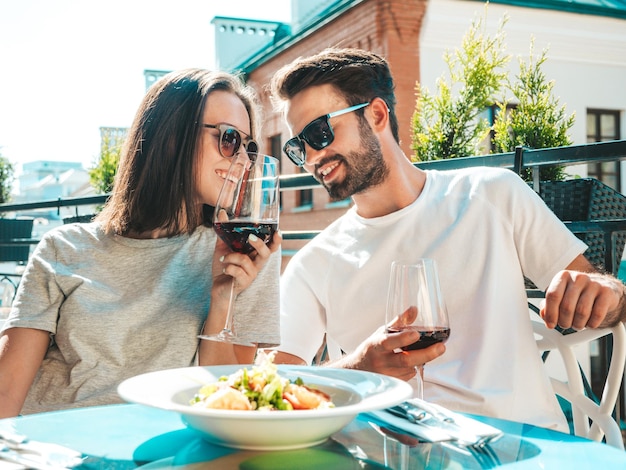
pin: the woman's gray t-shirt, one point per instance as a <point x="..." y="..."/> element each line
<point x="117" y="307"/>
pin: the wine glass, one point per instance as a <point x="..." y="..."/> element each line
<point x="247" y="204"/>
<point x="414" y="302"/>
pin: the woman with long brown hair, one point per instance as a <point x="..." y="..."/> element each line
<point x="130" y="292"/>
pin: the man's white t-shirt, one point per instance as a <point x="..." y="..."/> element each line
<point x="486" y="229"/>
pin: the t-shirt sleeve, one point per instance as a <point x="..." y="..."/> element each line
<point x="545" y="245"/>
<point x="38" y="296"/>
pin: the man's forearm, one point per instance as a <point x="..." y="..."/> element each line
<point x="618" y="314"/>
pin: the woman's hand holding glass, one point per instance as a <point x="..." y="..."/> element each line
<point x="229" y="265"/>
<point x="245" y="219"/>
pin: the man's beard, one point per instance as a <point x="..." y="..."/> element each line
<point x="363" y="168"/>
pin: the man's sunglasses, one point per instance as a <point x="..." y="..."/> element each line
<point x="231" y="140"/>
<point x="318" y="134"/>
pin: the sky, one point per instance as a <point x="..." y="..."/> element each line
<point x="69" y="67"/>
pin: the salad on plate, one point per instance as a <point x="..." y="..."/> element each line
<point x="260" y="388"/>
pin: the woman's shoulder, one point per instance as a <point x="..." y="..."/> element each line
<point x="76" y="231"/>
<point x="71" y="238"/>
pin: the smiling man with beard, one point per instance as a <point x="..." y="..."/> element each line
<point x="484" y="226"/>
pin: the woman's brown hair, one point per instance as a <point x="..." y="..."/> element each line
<point x="155" y="183"/>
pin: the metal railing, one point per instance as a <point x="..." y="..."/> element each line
<point x="516" y="161"/>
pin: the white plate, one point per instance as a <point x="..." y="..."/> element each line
<point x="352" y="391"/>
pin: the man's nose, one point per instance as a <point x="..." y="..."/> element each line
<point x="312" y="156"/>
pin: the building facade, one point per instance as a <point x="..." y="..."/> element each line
<point x="585" y="41"/>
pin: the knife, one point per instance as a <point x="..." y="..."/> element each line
<point x="432" y="416"/>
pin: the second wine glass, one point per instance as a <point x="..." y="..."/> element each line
<point x="247" y="205"/>
<point x="414" y="302"/>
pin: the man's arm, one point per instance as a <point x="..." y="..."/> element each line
<point x="378" y="353"/>
<point x="581" y="297"/>
<point x="286" y="358"/>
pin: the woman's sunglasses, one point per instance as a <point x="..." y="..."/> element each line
<point x="318" y="134"/>
<point x="231" y="140"/>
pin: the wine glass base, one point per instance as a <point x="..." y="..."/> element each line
<point x="226" y="337"/>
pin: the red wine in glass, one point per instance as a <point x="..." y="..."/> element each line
<point x="248" y="203"/>
<point x="235" y="233"/>
<point x="415" y="302"/>
<point x="427" y="337"/>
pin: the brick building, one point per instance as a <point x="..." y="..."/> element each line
<point x="586" y="41"/>
<point x="390" y="28"/>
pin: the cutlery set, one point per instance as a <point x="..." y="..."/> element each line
<point x="445" y="425"/>
<point x="432" y="423"/>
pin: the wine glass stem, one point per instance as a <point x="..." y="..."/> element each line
<point x="228" y="325"/>
<point x="419" y="378"/>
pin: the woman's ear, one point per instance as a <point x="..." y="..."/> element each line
<point x="380" y="114"/>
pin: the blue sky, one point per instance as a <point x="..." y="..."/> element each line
<point x="68" y="67"/>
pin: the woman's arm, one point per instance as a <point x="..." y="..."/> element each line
<point x="244" y="269"/>
<point x="21" y="353"/>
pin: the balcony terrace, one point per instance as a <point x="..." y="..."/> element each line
<point x="607" y="222"/>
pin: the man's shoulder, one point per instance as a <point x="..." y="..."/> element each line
<point x="328" y="239"/>
<point x="476" y="178"/>
<point x="475" y="173"/>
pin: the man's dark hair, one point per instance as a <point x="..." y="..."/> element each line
<point x="358" y="75"/>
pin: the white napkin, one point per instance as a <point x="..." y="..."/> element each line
<point x="434" y="429"/>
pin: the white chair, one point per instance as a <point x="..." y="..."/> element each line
<point x="584" y="409"/>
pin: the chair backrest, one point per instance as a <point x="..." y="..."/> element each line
<point x="10" y="230"/>
<point x="587" y="200"/>
<point x="590" y="419"/>
<point x="583" y="200"/>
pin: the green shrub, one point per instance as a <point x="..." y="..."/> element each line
<point x="102" y="175"/>
<point x="537" y="121"/>
<point x="451" y="124"/>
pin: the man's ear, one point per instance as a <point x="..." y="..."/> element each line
<point x="380" y="114"/>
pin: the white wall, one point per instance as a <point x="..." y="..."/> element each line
<point x="586" y="53"/>
<point x="586" y="58"/>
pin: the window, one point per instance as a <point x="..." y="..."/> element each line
<point x="604" y="125"/>
<point x="304" y="198"/>
<point x="276" y="151"/>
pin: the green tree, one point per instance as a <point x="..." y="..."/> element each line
<point x="103" y="173"/>
<point x="449" y="124"/>
<point x="537" y="121"/>
<point x="6" y="179"/>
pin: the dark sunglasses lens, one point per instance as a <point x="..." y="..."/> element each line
<point x="230" y="142"/>
<point x="252" y="147"/>
<point x="318" y="134"/>
<point x="294" y="149"/>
